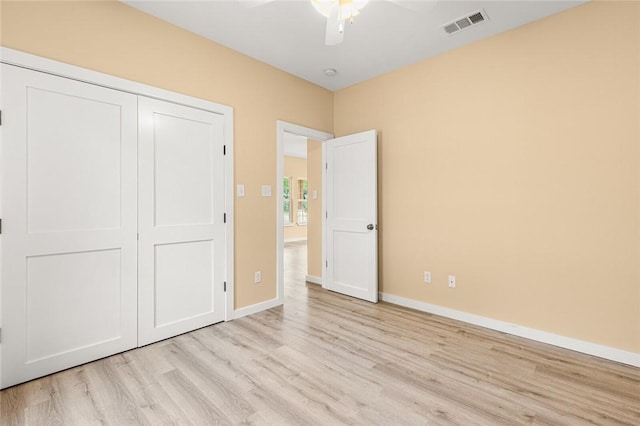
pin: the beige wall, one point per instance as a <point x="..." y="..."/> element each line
<point x="115" y="39"/>
<point x="295" y="168"/>
<point x="513" y="163"/>
<point x="314" y="231"/>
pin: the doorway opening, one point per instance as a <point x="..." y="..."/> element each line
<point x="301" y="185"/>
<point x="300" y="201"/>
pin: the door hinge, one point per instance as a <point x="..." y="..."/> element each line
<point x="0" y="335"/>
<point x="138" y="237"/>
<point x="225" y="218"/>
<point x="326" y="263"/>
<point x="326" y="215"/>
<point x="225" y="286"/>
<point x="0" y="226"/>
<point x="0" y="118"/>
<point x="326" y="166"/>
<point x="224" y="150"/>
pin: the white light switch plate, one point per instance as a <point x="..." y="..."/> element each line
<point x="266" y="190"/>
<point x="240" y="190"/>
<point x="314" y="194"/>
<point x="452" y="281"/>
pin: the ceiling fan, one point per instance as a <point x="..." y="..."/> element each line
<point x="338" y="12"/>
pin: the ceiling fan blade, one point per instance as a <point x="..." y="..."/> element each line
<point x="335" y="27"/>
<point x="253" y="3"/>
<point x="420" y="6"/>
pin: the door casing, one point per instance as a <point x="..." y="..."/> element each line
<point x="282" y="128"/>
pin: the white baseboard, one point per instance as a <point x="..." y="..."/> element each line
<point x="313" y="279"/>
<point x="254" y="309"/>
<point x="293" y="240"/>
<point x="601" y="351"/>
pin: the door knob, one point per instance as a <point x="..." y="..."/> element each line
<point x="370" y="227"/>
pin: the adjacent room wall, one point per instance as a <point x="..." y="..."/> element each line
<point x="314" y="227"/>
<point x="513" y="164"/>
<point x="113" y="38"/>
<point x="296" y="168"/>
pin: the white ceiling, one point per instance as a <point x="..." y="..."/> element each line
<point x="387" y="35"/>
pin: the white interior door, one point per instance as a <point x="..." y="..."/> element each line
<point x="352" y="203"/>
<point x="181" y="219"/>
<point x="69" y="223"/>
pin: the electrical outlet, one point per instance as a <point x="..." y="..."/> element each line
<point x="452" y="281"/>
<point x="257" y="277"/>
<point x="240" y="190"/>
<point x="427" y="277"/>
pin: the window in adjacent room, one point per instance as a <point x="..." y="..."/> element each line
<point x="302" y="203"/>
<point x="286" y="204"/>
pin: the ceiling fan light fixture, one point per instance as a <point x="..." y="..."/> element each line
<point x="347" y="9"/>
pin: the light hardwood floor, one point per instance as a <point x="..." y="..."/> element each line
<point x="326" y="359"/>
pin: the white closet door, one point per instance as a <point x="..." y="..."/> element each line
<point x="69" y="223"/>
<point x="181" y="219"/>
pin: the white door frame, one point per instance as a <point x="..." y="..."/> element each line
<point x="37" y="63"/>
<point x="282" y="128"/>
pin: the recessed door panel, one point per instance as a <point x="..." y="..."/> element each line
<point x="69" y="223"/>
<point x="54" y="325"/>
<point x="181" y="219"/>
<point x="349" y="195"/>
<point x="73" y="142"/>
<point x="347" y="253"/>
<point x="184" y="277"/>
<point x="183" y="151"/>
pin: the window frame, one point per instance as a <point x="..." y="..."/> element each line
<point x="287" y="218"/>
<point x="302" y="202"/>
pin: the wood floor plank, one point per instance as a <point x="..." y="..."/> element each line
<point x="327" y="359"/>
<point x="223" y="394"/>
<point x="110" y="395"/>
<point x="136" y="374"/>
<point x="73" y="385"/>
<point x="195" y="406"/>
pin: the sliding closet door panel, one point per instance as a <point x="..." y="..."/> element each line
<point x="181" y="219"/>
<point x="69" y="223"/>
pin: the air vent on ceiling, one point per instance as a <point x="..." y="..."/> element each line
<point x="466" y="22"/>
